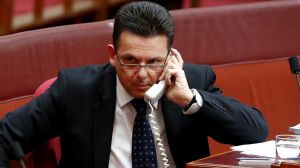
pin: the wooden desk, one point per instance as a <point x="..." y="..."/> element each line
<point x="229" y="159"/>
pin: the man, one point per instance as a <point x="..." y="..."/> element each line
<point x="93" y="109"/>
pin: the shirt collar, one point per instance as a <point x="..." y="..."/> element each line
<point x="123" y="96"/>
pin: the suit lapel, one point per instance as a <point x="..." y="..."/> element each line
<point x="104" y="112"/>
<point x="173" y="123"/>
<point x="172" y="116"/>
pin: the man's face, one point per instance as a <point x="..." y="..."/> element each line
<point x="135" y="49"/>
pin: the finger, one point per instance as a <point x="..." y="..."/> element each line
<point x="174" y="51"/>
<point x="168" y="77"/>
<point x="162" y="75"/>
<point x="171" y="76"/>
<point x="165" y="71"/>
<point x="173" y="63"/>
<point x="177" y="56"/>
<point x="169" y="65"/>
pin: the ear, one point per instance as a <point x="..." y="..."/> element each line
<point x="112" y="54"/>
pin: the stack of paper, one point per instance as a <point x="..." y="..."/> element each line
<point x="295" y="129"/>
<point x="264" y="149"/>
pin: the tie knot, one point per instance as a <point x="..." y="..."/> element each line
<point x="139" y="105"/>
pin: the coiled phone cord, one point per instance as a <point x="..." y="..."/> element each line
<point x="155" y="129"/>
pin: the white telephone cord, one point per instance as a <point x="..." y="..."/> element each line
<point x="155" y="130"/>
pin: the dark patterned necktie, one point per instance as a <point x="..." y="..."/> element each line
<point x="143" y="147"/>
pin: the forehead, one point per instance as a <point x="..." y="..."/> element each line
<point x="136" y="45"/>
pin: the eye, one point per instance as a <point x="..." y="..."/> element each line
<point x="129" y="60"/>
<point x="155" y="61"/>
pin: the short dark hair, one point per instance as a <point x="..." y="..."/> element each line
<point x="143" y="18"/>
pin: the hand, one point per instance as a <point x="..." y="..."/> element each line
<point x="178" y="90"/>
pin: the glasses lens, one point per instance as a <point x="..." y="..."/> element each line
<point x="148" y="67"/>
<point x="131" y="67"/>
<point x="155" y="67"/>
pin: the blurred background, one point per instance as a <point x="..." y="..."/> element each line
<point x="22" y="15"/>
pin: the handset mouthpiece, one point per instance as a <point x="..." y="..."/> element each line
<point x="155" y="92"/>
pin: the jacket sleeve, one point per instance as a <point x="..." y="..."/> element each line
<point x="33" y="123"/>
<point x="227" y="120"/>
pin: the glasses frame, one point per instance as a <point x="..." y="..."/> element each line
<point x="142" y="66"/>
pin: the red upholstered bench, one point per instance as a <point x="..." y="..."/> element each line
<point x="47" y="155"/>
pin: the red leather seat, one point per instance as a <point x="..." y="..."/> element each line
<point x="47" y="155"/>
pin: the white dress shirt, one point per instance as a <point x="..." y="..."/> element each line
<point x="120" y="153"/>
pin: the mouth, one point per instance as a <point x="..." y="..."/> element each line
<point x="142" y="86"/>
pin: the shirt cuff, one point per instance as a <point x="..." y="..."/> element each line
<point x="196" y="106"/>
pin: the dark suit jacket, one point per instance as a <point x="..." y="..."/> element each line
<point x="80" y="107"/>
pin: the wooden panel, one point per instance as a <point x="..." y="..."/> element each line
<point x="68" y="4"/>
<point x="286" y="165"/>
<point x="6" y="12"/>
<point x="226" y="159"/>
<point x="38" y="10"/>
<point x="43" y="16"/>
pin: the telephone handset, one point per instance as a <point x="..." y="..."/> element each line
<point x="155" y="92"/>
<point x="151" y="97"/>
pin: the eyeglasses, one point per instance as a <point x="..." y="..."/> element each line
<point x="149" y="67"/>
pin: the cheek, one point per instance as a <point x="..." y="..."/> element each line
<point x="125" y="78"/>
<point x="154" y="77"/>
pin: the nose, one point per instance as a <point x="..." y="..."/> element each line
<point x="142" y="72"/>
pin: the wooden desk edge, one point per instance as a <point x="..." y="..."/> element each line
<point x="198" y="163"/>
